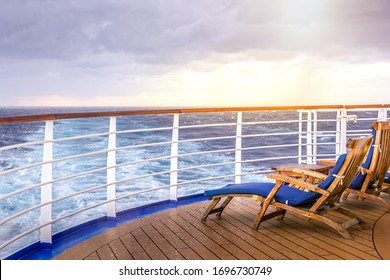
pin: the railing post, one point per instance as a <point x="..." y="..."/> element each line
<point x="300" y="136"/>
<point x="343" y="130"/>
<point x="309" y="138"/>
<point x="174" y="159"/>
<point x="338" y="133"/>
<point x="382" y="114"/>
<point x="238" y="154"/>
<point x="46" y="190"/>
<point x="111" y="171"/>
<point x="314" y="139"/>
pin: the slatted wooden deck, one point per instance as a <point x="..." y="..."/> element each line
<point x="179" y="234"/>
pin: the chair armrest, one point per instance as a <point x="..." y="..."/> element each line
<point x="297" y="182"/>
<point x="328" y="162"/>
<point x="310" y="173"/>
<point x="365" y="170"/>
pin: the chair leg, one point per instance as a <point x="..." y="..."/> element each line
<point x="224" y="204"/>
<point x="282" y="213"/>
<point x="355" y="220"/>
<point x="345" y="194"/>
<point x="211" y="209"/>
<point x="260" y="217"/>
<point x="336" y="226"/>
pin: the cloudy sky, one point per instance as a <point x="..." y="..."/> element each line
<point x="194" y="52"/>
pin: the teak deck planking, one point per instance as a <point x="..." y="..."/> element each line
<point x="178" y="233"/>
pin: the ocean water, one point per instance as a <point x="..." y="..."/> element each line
<point x="26" y="132"/>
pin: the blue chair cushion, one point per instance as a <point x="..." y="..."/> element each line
<point x="358" y="181"/>
<point x="326" y="183"/>
<point x="286" y="194"/>
<point x="387" y="177"/>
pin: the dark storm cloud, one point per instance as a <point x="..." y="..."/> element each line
<point x="156" y="31"/>
<point x="70" y="29"/>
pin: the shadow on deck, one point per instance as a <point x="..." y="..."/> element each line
<point x="179" y="234"/>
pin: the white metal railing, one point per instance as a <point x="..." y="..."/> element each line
<point x="306" y="133"/>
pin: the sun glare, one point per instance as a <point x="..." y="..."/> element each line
<point x="302" y="80"/>
<point x="241" y="83"/>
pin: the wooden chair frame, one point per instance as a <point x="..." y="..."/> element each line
<point x="328" y="201"/>
<point x="373" y="185"/>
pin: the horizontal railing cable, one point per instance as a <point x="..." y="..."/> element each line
<point x="118" y="182"/>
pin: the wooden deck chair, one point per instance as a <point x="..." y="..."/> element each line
<point x="298" y="196"/>
<point x="369" y="183"/>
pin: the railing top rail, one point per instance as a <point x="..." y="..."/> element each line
<point x="60" y="116"/>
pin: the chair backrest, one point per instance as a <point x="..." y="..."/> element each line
<point x="377" y="162"/>
<point x="380" y="161"/>
<point x="358" y="148"/>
